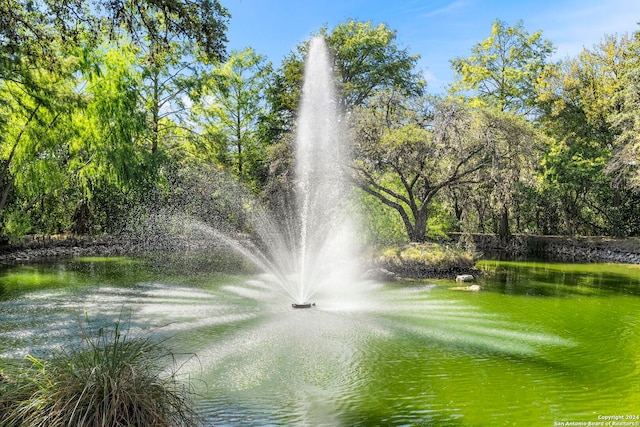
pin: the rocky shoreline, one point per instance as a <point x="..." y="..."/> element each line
<point x="39" y="248"/>
<point x="573" y="249"/>
<point x="557" y="248"/>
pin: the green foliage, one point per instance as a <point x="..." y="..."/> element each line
<point x="89" y="108"/>
<point x="369" y="59"/>
<point x="114" y="380"/>
<point x="17" y="224"/>
<point x="283" y="94"/>
<point x="579" y="99"/>
<point x="230" y="104"/>
<point x="409" y="150"/>
<point x="33" y="144"/>
<point x="163" y="23"/>
<point x="62" y="153"/>
<point x="112" y="126"/>
<point x="108" y="107"/>
<point x="502" y="69"/>
<point x="38" y="33"/>
<point x="207" y="193"/>
<point x="381" y="225"/>
<point x="441" y="222"/>
<point x="625" y="164"/>
<point x="500" y="77"/>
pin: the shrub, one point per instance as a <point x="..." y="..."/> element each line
<point x="424" y="260"/>
<point x="111" y="381"/>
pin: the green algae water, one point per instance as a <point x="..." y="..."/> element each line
<point x="540" y="345"/>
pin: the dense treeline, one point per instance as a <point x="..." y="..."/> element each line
<point x="110" y="107"/>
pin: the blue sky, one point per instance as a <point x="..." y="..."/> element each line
<point x="437" y="30"/>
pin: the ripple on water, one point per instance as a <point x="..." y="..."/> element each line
<point x="386" y="354"/>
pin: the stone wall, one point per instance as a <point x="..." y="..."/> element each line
<point x="575" y="249"/>
<point x="557" y="248"/>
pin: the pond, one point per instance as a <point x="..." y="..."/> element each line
<point x="540" y="344"/>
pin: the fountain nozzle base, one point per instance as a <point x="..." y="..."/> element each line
<point x="303" y="305"/>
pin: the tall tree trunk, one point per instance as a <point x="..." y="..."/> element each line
<point x="503" y="230"/>
<point x="155" y="112"/>
<point x="418" y="233"/>
<point x="239" y="146"/>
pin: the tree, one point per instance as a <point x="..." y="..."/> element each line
<point x="501" y="74"/>
<point x="69" y="135"/>
<point x="169" y="34"/>
<point x="367" y="58"/>
<point x="118" y="169"/>
<point x="36" y="125"/>
<point x="625" y="164"/>
<point x="229" y="107"/>
<point x="161" y="24"/>
<point x="502" y="70"/>
<point x="407" y="152"/>
<point x="75" y="158"/>
<point x="515" y="147"/>
<point x="38" y="32"/>
<point x="579" y="99"/>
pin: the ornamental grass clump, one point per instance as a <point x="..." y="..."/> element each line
<point x="112" y="381"/>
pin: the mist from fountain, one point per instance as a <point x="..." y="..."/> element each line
<point x="302" y="249"/>
<point x="310" y="247"/>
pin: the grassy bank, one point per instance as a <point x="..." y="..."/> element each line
<point x="425" y="260"/>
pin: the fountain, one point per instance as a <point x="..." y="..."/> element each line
<point x="310" y="247"/>
<point x="323" y="250"/>
<point x="313" y="248"/>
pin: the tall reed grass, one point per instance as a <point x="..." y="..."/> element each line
<point x="112" y="380"/>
